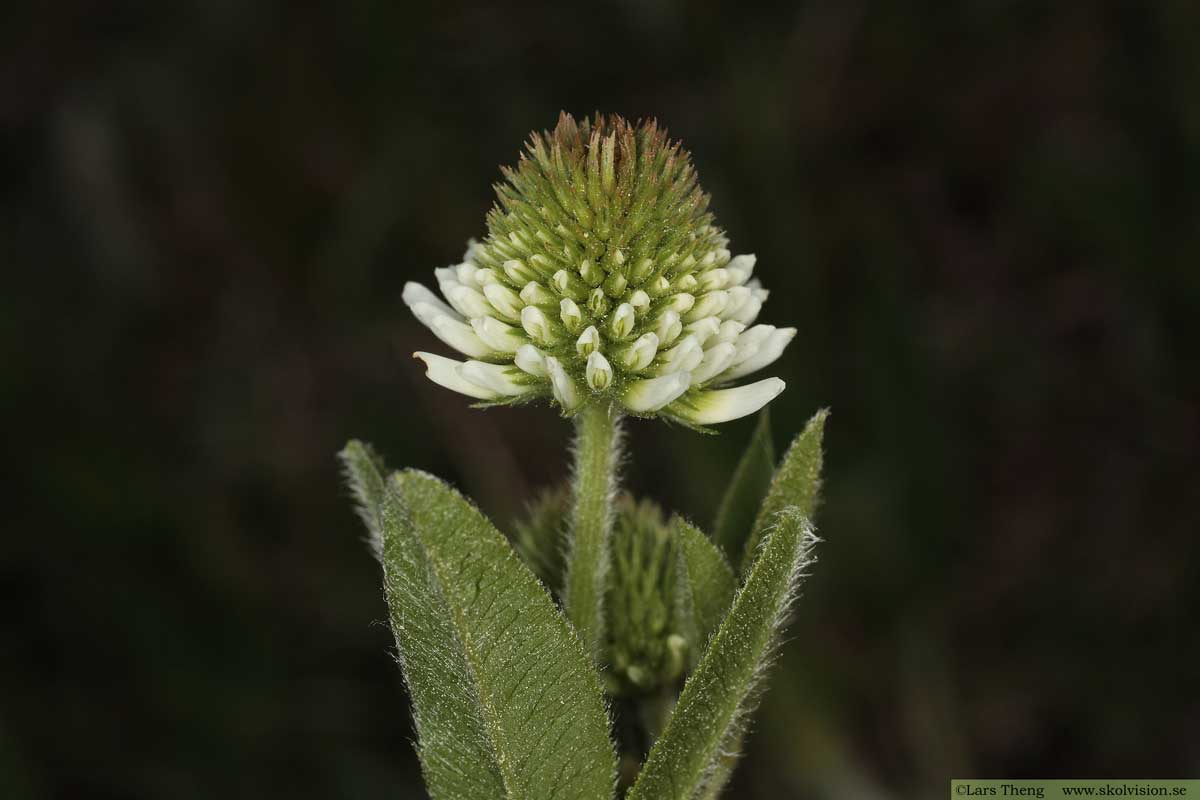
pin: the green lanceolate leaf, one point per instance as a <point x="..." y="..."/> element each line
<point x="710" y="718"/>
<point x="704" y="587"/>
<point x="364" y="474"/>
<point x="506" y="704"/>
<point x="797" y="483"/>
<point x="747" y="487"/>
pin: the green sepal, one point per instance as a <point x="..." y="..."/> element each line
<point x="747" y="487"/>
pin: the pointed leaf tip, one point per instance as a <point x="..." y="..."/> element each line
<point x="797" y="482"/>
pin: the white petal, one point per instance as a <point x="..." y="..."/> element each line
<point x="681" y="303"/>
<point x="669" y="327"/>
<point x="466" y="275"/>
<point x="704" y="329"/>
<point x="722" y="405"/>
<point x="654" y="393"/>
<point x="738" y="297"/>
<point x="504" y="300"/>
<point x="686" y="283"/>
<point x="748" y="312"/>
<point x="561" y="384"/>
<point x="444" y="372"/>
<point x="452" y="331"/>
<point x="498" y="378"/>
<point x="599" y="372"/>
<point x="531" y="360"/>
<point x="766" y="354"/>
<point x="447" y="277"/>
<point x="641" y="353"/>
<point x="744" y="263"/>
<point x="684" y="356"/>
<point x="730" y="331"/>
<point x="472" y="250"/>
<point x="714" y="279"/>
<point x="640" y="301"/>
<point x="707" y="305"/>
<point x="716" y="358"/>
<point x="415" y="293"/>
<point x="468" y="301"/>
<point x="500" y="337"/>
<point x="750" y="341"/>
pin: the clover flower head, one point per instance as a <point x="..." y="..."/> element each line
<point x="603" y="280"/>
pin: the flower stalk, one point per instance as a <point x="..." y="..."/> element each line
<point x="597" y="454"/>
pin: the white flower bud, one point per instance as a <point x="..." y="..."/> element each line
<point x="658" y="287"/>
<point x="504" y="300"/>
<point x="652" y="394"/>
<point x="500" y="337"/>
<point x="444" y="372"/>
<point x="597" y="303"/>
<point x="536" y="325"/>
<point x="723" y="405"/>
<point x="468" y="302"/>
<point x="641" y="353"/>
<point x="716" y="359"/>
<point x="640" y="301"/>
<point x="669" y="327"/>
<point x="531" y="360"/>
<point x="684" y="356"/>
<point x="623" y="320"/>
<point x="568" y="285"/>
<point x="498" y="378"/>
<point x="570" y="314"/>
<point x="588" y="342"/>
<point x="707" y="305"/>
<point x="485" y="276"/>
<point x="730" y="331"/>
<point x="561" y="385"/>
<point x="534" y="294"/>
<point x="598" y="371"/>
<point x="518" y="272"/>
<point x="704" y="329"/>
<point x="714" y="279"/>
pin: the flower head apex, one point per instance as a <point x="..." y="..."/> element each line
<point x="603" y="280"/>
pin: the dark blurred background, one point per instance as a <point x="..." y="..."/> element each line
<point x="984" y="219"/>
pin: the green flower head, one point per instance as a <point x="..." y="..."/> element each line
<point x="603" y="280"/>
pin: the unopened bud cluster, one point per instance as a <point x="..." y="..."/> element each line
<point x="603" y="279"/>
<point x="645" y="651"/>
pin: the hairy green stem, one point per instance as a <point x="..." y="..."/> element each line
<point x="597" y="451"/>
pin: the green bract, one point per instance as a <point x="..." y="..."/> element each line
<point x="603" y="280"/>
